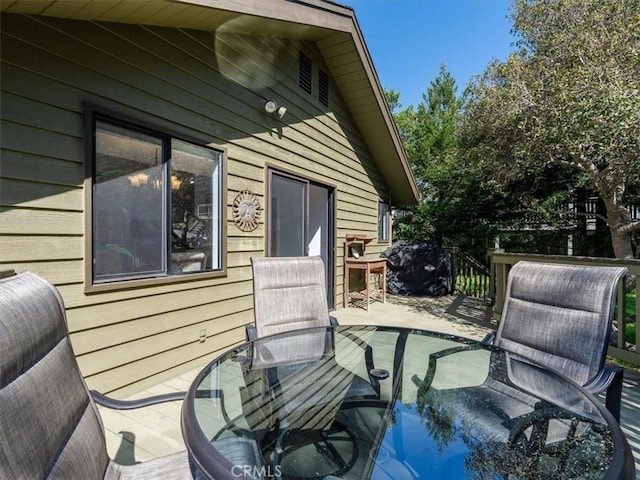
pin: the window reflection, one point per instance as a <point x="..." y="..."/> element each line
<point x="194" y="173"/>
<point x="156" y="205"/>
<point x="383" y="221"/>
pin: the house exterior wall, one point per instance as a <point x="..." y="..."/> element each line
<point x="206" y="85"/>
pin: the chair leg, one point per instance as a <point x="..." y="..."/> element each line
<point x="614" y="395"/>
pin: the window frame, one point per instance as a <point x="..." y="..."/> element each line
<point x="93" y="114"/>
<point x="384" y="229"/>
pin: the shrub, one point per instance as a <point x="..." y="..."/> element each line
<point x="630" y="333"/>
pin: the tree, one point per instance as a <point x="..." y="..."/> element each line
<point x="429" y="135"/>
<point x="462" y="205"/>
<point x="570" y="96"/>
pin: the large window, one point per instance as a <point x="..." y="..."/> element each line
<point x="156" y="204"/>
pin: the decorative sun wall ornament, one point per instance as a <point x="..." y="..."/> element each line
<point x="246" y="211"/>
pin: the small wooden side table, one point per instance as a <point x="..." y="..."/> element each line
<point x="355" y="259"/>
<point x="368" y="266"/>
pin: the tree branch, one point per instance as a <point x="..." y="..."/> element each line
<point x="585" y="164"/>
<point x="630" y="228"/>
<point x="597" y="215"/>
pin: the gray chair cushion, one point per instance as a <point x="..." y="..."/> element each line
<point x="240" y="451"/>
<point x="560" y="316"/>
<point x="243" y="453"/>
<point x="288" y="293"/>
<point x="49" y="425"/>
<point x="169" y="467"/>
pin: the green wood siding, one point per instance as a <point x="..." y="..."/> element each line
<point x="201" y="84"/>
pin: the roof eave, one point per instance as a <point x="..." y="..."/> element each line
<point x="332" y="26"/>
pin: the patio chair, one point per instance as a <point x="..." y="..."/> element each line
<point x="290" y="297"/>
<point x="294" y="390"/>
<point x="50" y="426"/>
<point x="524" y="417"/>
<point x="560" y="316"/>
<point x="289" y="293"/>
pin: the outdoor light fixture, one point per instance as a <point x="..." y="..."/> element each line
<point x="271" y="106"/>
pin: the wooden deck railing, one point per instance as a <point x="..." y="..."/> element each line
<point x="470" y="276"/>
<point x="501" y="263"/>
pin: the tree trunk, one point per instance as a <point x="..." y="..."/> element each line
<point x="621" y="244"/>
<point x="618" y="217"/>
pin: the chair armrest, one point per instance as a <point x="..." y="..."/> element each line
<point x="610" y="380"/>
<point x="116" y="404"/>
<point x="604" y="379"/>
<point x="333" y="321"/>
<point x="250" y="333"/>
<point x="488" y="339"/>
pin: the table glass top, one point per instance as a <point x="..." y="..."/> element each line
<point x="387" y="403"/>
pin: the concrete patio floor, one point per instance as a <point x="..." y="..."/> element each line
<point x="140" y="435"/>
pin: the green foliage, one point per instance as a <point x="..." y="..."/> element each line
<point x="560" y="117"/>
<point x="630" y="333"/>
<point x="629" y="313"/>
<point x="569" y="99"/>
<point x="630" y="302"/>
<point x="455" y="203"/>
<point x="393" y="99"/>
<point x="429" y="137"/>
<point x="473" y="285"/>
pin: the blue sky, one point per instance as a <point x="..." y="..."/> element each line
<point x="409" y="40"/>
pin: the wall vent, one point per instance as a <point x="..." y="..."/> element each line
<point x="323" y="88"/>
<point x="304" y="78"/>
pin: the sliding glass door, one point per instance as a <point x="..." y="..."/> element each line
<point x="300" y="216"/>
<point x="288" y="217"/>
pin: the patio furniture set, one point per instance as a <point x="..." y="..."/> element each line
<point x="306" y="398"/>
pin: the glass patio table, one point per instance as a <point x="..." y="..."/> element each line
<point x="359" y="402"/>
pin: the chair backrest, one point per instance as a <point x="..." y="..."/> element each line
<point x="560" y="316"/>
<point x="546" y="386"/>
<point x="49" y="426"/>
<point x="289" y="293"/>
